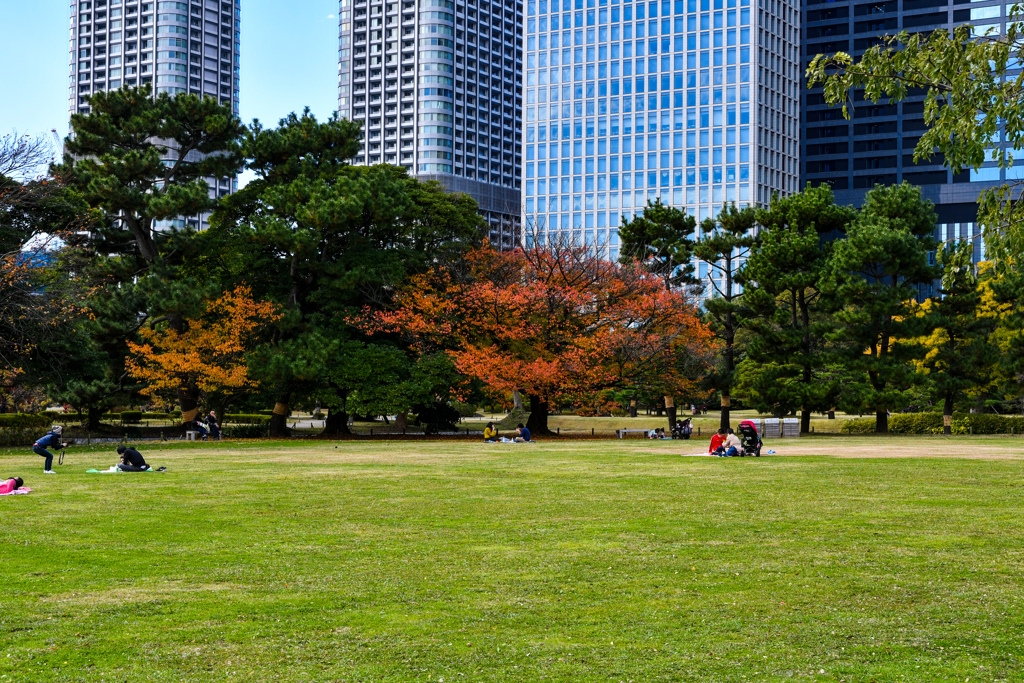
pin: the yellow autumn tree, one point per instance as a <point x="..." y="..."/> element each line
<point x="210" y="353"/>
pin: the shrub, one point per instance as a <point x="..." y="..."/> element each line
<point x="465" y="409"/>
<point x="987" y="423"/>
<point x="864" y="425"/>
<point x="131" y="417"/>
<point x="931" y="423"/>
<point x="914" y="423"/>
<point x="21" y="429"/>
<point x="244" y="419"/>
<point x="155" y="416"/>
<point x="246" y="431"/>
<point x="33" y="420"/>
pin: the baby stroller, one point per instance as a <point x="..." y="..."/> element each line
<point x="682" y="429"/>
<point x="749" y="439"/>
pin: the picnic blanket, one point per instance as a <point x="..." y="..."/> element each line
<point x="113" y="470"/>
<point x="17" y="491"/>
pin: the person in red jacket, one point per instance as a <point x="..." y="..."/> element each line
<point x="717" y="442"/>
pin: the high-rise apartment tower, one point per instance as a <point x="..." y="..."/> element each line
<point x="436" y="85"/>
<point x="876" y="146"/>
<point x="690" y="101"/>
<point x="177" y="46"/>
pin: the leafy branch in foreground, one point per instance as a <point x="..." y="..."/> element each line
<point x="971" y="99"/>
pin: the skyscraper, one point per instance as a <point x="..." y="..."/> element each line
<point x="177" y="46"/>
<point x="690" y="101"/>
<point x="876" y="146"/>
<point x="437" y="87"/>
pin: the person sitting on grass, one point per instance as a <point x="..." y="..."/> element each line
<point x="50" y="440"/>
<point x="733" y="446"/>
<point x="490" y="433"/>
<point x="131" y="460"/>
<point x="717" y="440"/>
<point x="522" y="434"/>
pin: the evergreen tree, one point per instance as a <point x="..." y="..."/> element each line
<point x="724" y="245"/>
<point x="661" y="238"/>
<point x="138" y="160"/>
<point x="875" y="274"/>
<point x="786" y="367"/>
<point x="328" y="241"/>
<point x="959" y="353"/>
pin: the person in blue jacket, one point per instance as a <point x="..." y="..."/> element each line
<point x="52" y="439"/>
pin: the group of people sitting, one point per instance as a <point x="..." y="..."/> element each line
<point x="206" y="426"/>
<point x="725" y="444"/>
<point x="491" y="434"/>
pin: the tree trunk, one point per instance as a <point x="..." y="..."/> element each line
<point x="831" y="413"/>
<point x="538" y="420"/>
<point x="95" y="414"/>
<point x="336" y="422"/>
<point x="188" y="400"/>
<point x="947" y="415"/>
<point x="726" y="401"/>
<point x="279" y="418"/>
<point x="402" y="421"/>
<point x="517" y="400"/>
<point x="632" y="408"/>
<point x="670" y="409"/>
<point x="882" y="421"/>
<point x="805" y="421"/>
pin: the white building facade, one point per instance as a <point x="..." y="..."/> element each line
<point x="436" y="85"/>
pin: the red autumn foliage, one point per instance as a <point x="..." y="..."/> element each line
<point x="558" y="324"/>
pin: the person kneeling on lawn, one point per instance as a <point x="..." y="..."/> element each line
<point x="131" y="460"/>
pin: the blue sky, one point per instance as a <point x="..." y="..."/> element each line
<point x="289" y="61"/>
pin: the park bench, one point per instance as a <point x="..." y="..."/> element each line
<point x="645" y="432"/>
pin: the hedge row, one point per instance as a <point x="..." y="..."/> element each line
<point x="26" y="420"/>
<point x="931" y="423"/>
<point x="21" y="429"/>
<point x="247" y="419"/>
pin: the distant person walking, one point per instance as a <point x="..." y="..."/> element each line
<point x="52" y="439"/>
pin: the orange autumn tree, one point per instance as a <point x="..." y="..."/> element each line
<point x="210" y="355"/>
<point x="556" y="324"/>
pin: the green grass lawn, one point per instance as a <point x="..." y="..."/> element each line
<point x="589" y="561"/>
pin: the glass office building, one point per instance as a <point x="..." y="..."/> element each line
<point x="437" y="87"/>
<point x="876" y="146"/>
<point x="176" y="46"/>
<point x="690" y="101"/>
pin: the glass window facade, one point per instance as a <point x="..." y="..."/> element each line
<point x="876" y="145"/>
<point x="689" y="101"/>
